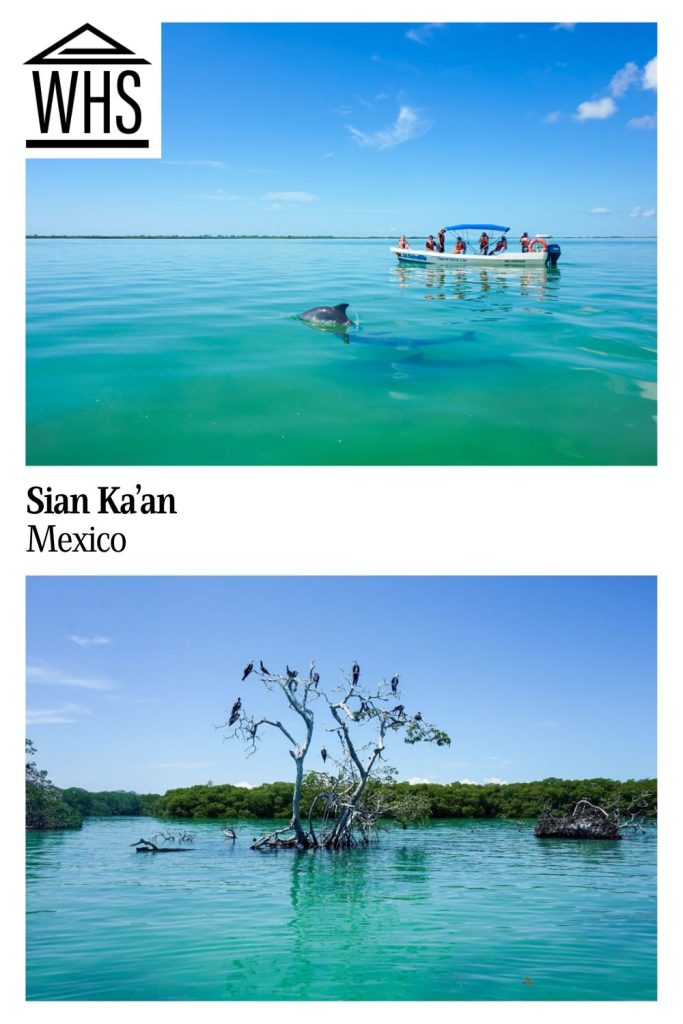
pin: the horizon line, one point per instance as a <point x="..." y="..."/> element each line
<point x="173" y="237"/>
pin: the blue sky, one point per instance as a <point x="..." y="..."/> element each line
<point x="531" y="676"/>
<point x="381" y="129"/>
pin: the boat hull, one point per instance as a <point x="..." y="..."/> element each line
<point x="507" y="259"/>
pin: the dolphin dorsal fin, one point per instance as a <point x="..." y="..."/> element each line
<point x="341" y="306"/>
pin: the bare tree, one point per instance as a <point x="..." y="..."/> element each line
<point x="350" y="801"/>
<point x="299" y="694"/>
<point x="358" y="711"/>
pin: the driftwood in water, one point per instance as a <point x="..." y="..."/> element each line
<point x="587" y="821"/>
<point x="147" y="846"/>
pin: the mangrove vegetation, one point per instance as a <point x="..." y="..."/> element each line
<point x="451" y="800"/>
<point x="46" y="807"/>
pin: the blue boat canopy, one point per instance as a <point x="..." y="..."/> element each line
<point x="477" y="227"/>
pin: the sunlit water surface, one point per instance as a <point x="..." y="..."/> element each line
<point x="190" y="352"/>
<point x="457" y="910"/>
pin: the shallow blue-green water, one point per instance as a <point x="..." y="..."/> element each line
<point x="190" y="352"/>
<point x="456" y="910"/>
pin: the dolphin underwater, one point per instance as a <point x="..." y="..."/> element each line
<point x="332" y="317"/>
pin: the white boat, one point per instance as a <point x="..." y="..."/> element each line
<point x="538" y="252"/>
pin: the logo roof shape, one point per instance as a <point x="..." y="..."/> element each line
<point x="89" y="52"/>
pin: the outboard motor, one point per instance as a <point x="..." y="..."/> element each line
<point x="553" y="254"/>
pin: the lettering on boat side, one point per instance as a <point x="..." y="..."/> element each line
<point x="412" y="258"/>
<point x="108" y="499"/>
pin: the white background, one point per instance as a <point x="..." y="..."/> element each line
<point x="356" y="520"/>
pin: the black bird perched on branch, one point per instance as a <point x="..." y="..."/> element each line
<point x="264" y="670"/>
<point x="355" y="673"/>
<point x="235" y="713"/>
<point x="394" y="684"/>
<point x="323" y="754"/>
<point x="315" y="678"/>
<point x="291" y="672"/>
<point x="249" y="668"/>
<point x="418" y="717"/>
<point x="398" y="710"/>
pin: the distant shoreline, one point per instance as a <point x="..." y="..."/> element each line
<point x="313" y="238"/>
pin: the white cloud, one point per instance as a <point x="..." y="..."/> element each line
<point x="244" y="785"/>
<point x="416" y="780"/>
<point x="89" y="641"/>
<point x="595" y="110"/>
<point x="407" y="125"/>
<point x="288" y="197"/>
<point x="56" y="677"/>
<point x="326" y="156"/>
<point x="624" y="78"/>
<point x="64" y="714"/>
<point x="493" y="780"/>
<point x="596" y="209"/>
<point x="566" y="26"/>
<point x="649" y="213"/>
<point x="638" y="211"/>
<point x="468" y="782"/>
<point x="553" y="117"/>
<point x="424" y="33"/>
<point x="645" y="122"/>
<point x="650" y="74"/>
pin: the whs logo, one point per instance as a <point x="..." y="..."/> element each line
<point x="90" y="95"/>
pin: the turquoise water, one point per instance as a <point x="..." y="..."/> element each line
<point x="189" y="352"/>
<point x="452" y="911"/>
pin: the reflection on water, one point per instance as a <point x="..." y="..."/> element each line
<point x="454" y="910"/>
<point x="473" y="283"/>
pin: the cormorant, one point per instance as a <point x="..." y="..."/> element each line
<point x="235" y="713"/>
<point x="264" y="670"/>
<point x="398" y="710"/>
<point x="248" y="669"/>
<point x="418" y="717"/>
<point x="355" y="673"/>
<point x="323" y="754"/>
<point x="316" y="679"/>
<point x="291" y="672"/>
<point x="394" y="684"/>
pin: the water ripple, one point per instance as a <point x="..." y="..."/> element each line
<point x="443" y="912"/>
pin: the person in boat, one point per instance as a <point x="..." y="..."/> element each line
<point x="524" y="241"/>
<point x="403" y="242"/>
<point x="484" y="244"/>
<point x="430" y="244"/>
<point x="459" y="247"/>
<point x="442" y="240"/>
<point x="501" y="245"/>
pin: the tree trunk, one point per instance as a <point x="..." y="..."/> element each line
<point x="301" y="835"/>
